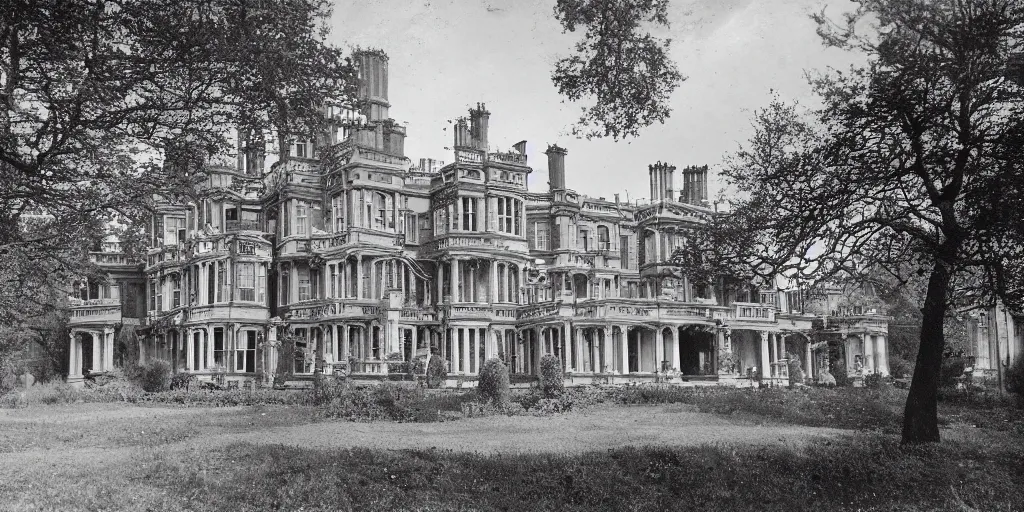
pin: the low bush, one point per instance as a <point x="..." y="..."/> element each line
<point x="154" y="376"/>
<point x="182" y="380"/>
<point x="493" y="385"/>
<point x="952" y="371"/>
<point x="900" y="368"/>
<point x="839" y="372"/>
<point x="437" y="372"/>
<point x="552" y="382"/>
<point x="874" y="380"/>
<point x="1014" y="378"/>
<point x="796" y="372"/>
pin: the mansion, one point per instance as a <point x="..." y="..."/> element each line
<point x="359" y="258"/>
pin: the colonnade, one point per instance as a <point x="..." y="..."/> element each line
<point x="102" y="351"/>
<point x="506" y="280"/>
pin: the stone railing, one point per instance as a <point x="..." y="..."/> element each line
<point x="109" y="258"/>
<point x="509" y="157"/>
<point x="468" y="156"/>
<point x="505" y="312"/>
<point x="370" y="367"/>
<point x="611" y="308"/>
<point x="464" y="241"/>
<point x="418" y="315"/>
<point x="780" y="369"/>
<point x="76" y="302"/>
<point x="332" y="309"/>
<point x="757" y="312"/>
<point x="95" y="314"/>
<point x="538" y="311"/>
<point x="234" y="226"/>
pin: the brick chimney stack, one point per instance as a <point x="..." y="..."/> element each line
<point x="556" y="167"/>
<point x="662" y="176"/>
<point x="695" y="185"/>
<point x="372" y="66"/>
<point x="479" y="118"/>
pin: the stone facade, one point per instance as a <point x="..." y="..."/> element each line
<point x="368" y="259"/>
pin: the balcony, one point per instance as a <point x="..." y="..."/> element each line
<point x="109" y="258"/>
<point x="417" y="315"/>
<point x="755" y="312"/>
<point x="102" y="313"/>
<point x="539" y="311"/>
<point x="235" y="226"/>
<point x="638" y="311"/>
<point x="334" y="310"/>
<point x="449" y="242"/>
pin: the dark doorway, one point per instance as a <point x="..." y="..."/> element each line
<point x="696" y="352"/>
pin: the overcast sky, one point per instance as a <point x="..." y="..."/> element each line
<point x="446" y="55"/>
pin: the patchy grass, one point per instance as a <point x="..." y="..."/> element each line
<point x="850" y="408"/>
<point x="863" y="473"/>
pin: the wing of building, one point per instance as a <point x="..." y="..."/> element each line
<point x="367" y="260"/>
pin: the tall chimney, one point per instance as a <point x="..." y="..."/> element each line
<point x="478" y="121"/>
<point x="556" y="166"/>
<point x="372" y="66"/>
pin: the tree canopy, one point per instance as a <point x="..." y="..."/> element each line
<point x="912" y="165"/>
<point x="105" y="103"/>
<point x="618" y="65"/>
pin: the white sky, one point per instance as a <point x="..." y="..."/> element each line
<point x="446" y="55"/>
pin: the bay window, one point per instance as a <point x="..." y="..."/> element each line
<point x="246" y="279"/>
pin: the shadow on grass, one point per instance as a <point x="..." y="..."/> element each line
<point x="859" y="473"/>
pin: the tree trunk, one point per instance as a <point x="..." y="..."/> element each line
<point x="920" y="417"/>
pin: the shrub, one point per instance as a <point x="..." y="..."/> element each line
<point x="155" y="376"/>
<point x="551" y="380"/>
<point x="437" y="372"/>
<point x="796" y="372"/>
<point x="951" y="371"/>
<point x="1014" y="377"/>
<point x="493" y="385"/>
<point x="874" y="380"/>
<point x="839" y="372"/>
<point x="182" y="380"/>
<point x="900" y="368"/>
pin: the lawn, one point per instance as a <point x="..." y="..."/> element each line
<point x="774" y="450"/>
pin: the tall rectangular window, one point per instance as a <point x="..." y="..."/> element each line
<point x="468" y="214"/>
<point x="314" y="284"/>
<point x="333" y="290"/>
<point x="508" y="215"/>
<point x="218" y="346"/>
<point x="541" y="236"/>
<point x="174" y="230"/>
<point x="152" y="294"/>
<point x="245" y="352"/>
<point x="411" y="228"/>
<point x="301" y="217"/>
<point x="584" y="240"/>
<point x="285" y="287"/>
<point x="175" y="291"/>
<point x="246" y="280"/>
<point x="160" y="295"/>
<point x="261" y="284"/>
<point x="338" y="211"/>
<point x="303" y="285"/>
<point x="604" y="241"/>
<point x="222" y="279"/>
<point x="624" y="251"/>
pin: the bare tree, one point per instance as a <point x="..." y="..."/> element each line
<point x="913" y="165"/>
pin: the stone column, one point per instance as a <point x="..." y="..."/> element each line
<point x="577" y="351"/>
<point x="868" y="347"/>
<point x="189" y="349"/>
<point x="464" y="353"/>
<point x="765" y="366"/>
<point x="808" y="364"/>
<point x="359" y="276"/>
<point x="74" y="361"/>
<point x="293" y="284"/>
<point x="455" y="280"/>
<point x="624" y="340"/>
<point x="607" y="349"/>
<point x="659" y="349"/>
<point x="440" y="284"/>
<point x="494" y="281"/>
<point x="677" y="355"/>
<point x="108" y="349"/>
<point x="209" y="348"/>
<point x="97" y="351"/>
<point x="881" y="354"/>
